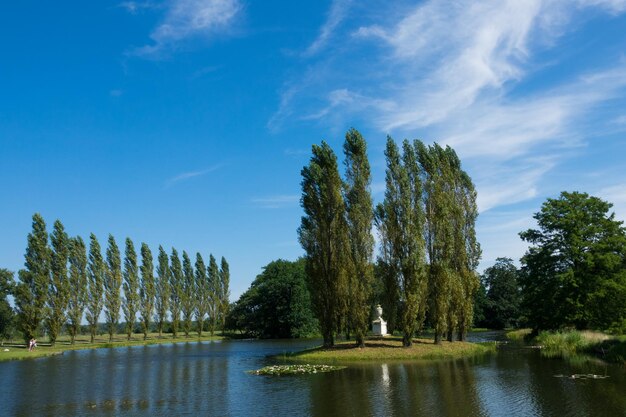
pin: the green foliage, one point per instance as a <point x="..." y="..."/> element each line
<point x="147" y="289"/>
<point x="360" y="218"/>
<point x="96" y="272"/>
<point x="562" y="344"/>
<point x="323" y="234"/>
<point x="7" y="315"/>
<point x="131" y="287"/>
<point x="163" y="290"/>
<point x="188" y="300"/>
<point x="277" y="304"/>
<point x="574" y="273"/>
<point x="177" y="293"/>
<point x="31" y="292"/>
<point x="112" y="285"/>
<point x="58" y="287"/>
<point x="503" y="295"/>
<point x="77" y="282"/>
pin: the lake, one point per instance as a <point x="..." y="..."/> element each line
<point x="210" y="379"/>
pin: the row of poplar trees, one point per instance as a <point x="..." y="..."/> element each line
<point x="61" y="283"/>
<point x="428" y="251"/>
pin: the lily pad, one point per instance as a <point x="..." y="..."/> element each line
<point x="296" y="369"/>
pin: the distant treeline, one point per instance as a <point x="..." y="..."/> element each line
<point x="62" y="282"/>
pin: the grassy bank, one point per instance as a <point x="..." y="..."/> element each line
<point x="391" y="349"/>
<point x="573" y="344"/>
<point x="20" y="351"/>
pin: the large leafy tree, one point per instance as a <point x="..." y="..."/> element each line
<point x="31" y="292"/>
<point x="147" y="290"/>
<point x="112" y="285"/>
<point x="225" y="290"/>
<point x="277" y="304"/>
<point x="58" y="287"/>
<point x="323" y="234"/>
<point x="95" y="288"/>
<point x="188" y="301"/>
<point x="7" y="315"/>
<point x="177" y="292"/>
<point x="503" y="295"/>
<point x="78" y="286"/>
<point x="202" y="292"/>
<point x="130" y="287"/>
<point x="574" y="273"/>
<point x="163" y="290"/>
<point x="359" y="212"/>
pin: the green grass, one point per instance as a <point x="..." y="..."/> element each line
<point x="20" y="351"/>
<point x="391" y="349"/>
<point x="518" y="335"/>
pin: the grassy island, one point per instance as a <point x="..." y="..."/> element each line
<point x="386" y="349"/>
<point x="16" y="352"/>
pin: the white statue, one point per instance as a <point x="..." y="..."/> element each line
<point x="379" y="326"/>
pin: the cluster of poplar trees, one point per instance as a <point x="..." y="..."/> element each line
<point x="63" y="281"/>
<point x="428" y="247"/>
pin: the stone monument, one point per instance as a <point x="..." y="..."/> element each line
<point x="379" y="326"/>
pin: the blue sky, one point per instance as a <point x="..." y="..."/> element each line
<point x="186" y="122"/>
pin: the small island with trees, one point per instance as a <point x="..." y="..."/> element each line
<point x="569" y="294"/>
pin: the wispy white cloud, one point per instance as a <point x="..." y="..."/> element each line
<point x="137" y="6"/>
<point x="336" y="14"/>
<point x="276" y="201"/>
<point x="186" y="19"/>
<point x="191" y="174"/>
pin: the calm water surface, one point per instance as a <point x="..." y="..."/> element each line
<point x="209" y="379"/>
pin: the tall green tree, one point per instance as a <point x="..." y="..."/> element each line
<point x="7" y="315"/>
<point x="574" y="272"/>
<point x="503" y="294"/>
<point x="131" y="287"/>
<point x="225" y="292"/>
<point x="163" y="290"/>
<point x="323" y="234"/>
<point x="202" y="292"/>
<point x="78" y="286"/>
<point x="112" y="285"/>
<point x="188" y="301"/>
<point x="177" y="292"/>
<point x="401" y="226"/>
<point x="147" y="290"/>
<point x="214" y="294"/>
<point x="58" y="287"/>
<point x="359" y="211"/>
<point x="31" y="292"/>
<point x="95" y="289"/>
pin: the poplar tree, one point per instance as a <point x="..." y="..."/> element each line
<point x="225" y="285"/>
<point x="163" y="291"/>
<point x="323" y="234"/>
<point x="58" y="287"/>
<point x="131" y="287"/>
<point x="147" y="290"/>
<point x="112" y="284"/>
<point x="402" y="218"/>
<point x="202" y="292"/>
<point x="360" y="217"/>
<point x="95" y="289"/>
<point x="176" y="286"/>
<point x="188" y="301"/>
<point x="31" y="291"/>
<point x="214" y="293"/>
<point x="78" y="286"/>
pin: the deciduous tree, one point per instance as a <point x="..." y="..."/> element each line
<point x="131" y="287"/>
<point x="58" y="286"/>
<point x="147" y="289"/>
<point x="163" y="290"/>
<point x="78" y="286"/>
<point x="112" y="285"/>
<point x="95" y="291"/>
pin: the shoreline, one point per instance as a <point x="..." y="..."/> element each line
<point x="391" y="349"/>
<point x="20" y="352"/>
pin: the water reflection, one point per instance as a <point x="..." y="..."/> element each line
<point x="210" y="379"/>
